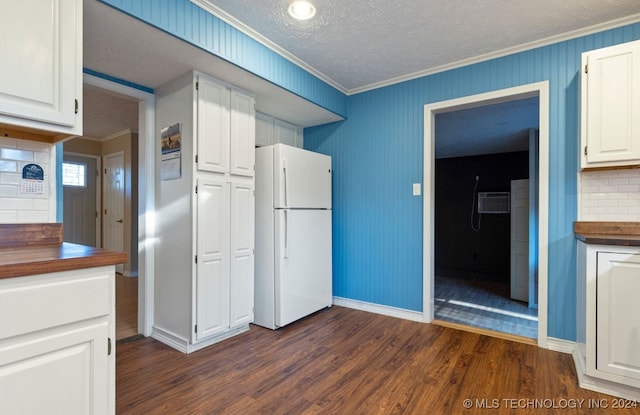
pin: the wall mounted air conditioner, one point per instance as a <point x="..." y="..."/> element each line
<point x="493" y="202"/>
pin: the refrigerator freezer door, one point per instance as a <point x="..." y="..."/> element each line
<point x="303" y="279"/>
<point x="302" y="178"/>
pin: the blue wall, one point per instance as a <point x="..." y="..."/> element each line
<point x="378" y="153"/>
<point x="188" y="22"/>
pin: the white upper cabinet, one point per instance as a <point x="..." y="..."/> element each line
<point x="243" y="125"/>
<point x="264" y="130"/>
<point x="41" y="74"/>
<point x="270" y="130"/>
<point x="288" y="134"/>
<point x="225" y="129"/>
<point x="610" y="118"/>
<point x="213" y="126"/>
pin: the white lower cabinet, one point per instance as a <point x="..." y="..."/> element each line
<point x="225" y="256"/>
<point x="617" y="331"/>
<point x="608" y="316"/>
<point x="241" y="255"/>
<point x="57" y="355"/>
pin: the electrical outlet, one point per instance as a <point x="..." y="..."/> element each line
<point x="416" y="189"/>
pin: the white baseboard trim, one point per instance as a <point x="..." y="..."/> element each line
<point x="170" y="339"/>
<point x="379" y="309"/>
<point x="601" y="385"/>
<point x="182" y="345"/>
<point x="560" y="345"/>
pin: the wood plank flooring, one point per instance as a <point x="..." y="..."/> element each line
<point x="126" y="306"/>
<point x="343" y="361"/>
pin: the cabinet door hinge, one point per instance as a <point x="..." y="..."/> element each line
<point x="196" y="259"/>
<point x="195" y="329"/>
<point x="586" y="68"/>
<point x="585" y="150"/>
<point x="196" y="158"/>
<point x="76" y="106"/>
<point x="197" y="85"/>
<point x="96" y="214"/>
<point x="196" y="189"/>
<point x="108" y="346"/>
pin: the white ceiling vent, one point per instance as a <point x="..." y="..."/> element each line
<point x="493" y="202"/>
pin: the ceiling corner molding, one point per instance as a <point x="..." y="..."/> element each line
<point x="115" y="135"/>
<point x="237" y="24"/>
<point x="601" y="27"/>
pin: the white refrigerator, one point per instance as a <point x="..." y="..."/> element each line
<point x="293" y="274"/>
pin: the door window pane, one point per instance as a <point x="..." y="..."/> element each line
<point x="73" y="174"/>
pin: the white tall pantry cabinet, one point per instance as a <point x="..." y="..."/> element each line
<point x="205" y="233"/>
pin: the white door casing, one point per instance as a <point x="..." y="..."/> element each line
<point x="540" y="89"/>
<point x="113" y="212"/>
<point x="519" y="252"/>
<point x="146" y="194"/>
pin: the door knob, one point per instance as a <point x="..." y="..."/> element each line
<point x="120" y="221"/>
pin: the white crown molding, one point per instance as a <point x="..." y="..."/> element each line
<point x="227" y="18"/>
<point x="612" y="24"/>
<point x="242" y="27"/>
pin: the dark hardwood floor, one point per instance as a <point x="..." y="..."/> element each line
<point x="343" y="361"/>
<point x="126" y="306"/>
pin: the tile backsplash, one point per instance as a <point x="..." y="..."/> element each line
<point x="609" y="195"/>
<point x="17" y="206"/>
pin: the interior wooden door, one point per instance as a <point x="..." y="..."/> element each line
<point x="113" y="212"/>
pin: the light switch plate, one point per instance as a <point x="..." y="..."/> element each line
<point x="416" y="189"/>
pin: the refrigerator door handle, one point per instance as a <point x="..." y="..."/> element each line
<point x="284" y="170"/>
<point x="286" y="234"/>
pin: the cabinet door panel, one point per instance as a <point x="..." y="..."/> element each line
<point x="617" y="315"/>
<point x="242" y="255"/>
<point x="212" y="280"/>
<point x="613" y="105"/>
<point x="286" y="133"/>
<point x="242" y="155"/>
<point x="264" y="130"/>
<point x="41" y="47"/>
<point x="213" y="126"/>
<point x="62" y="373"/>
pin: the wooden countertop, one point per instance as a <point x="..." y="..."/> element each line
<point x="608" y="233"/>
<point x="38" y="248"/>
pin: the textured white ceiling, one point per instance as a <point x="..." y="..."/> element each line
<point x="356" y="45"/>
<point x="359" y="44"/>
<point x="106" y="113"/>
<point x="489" y="129"/>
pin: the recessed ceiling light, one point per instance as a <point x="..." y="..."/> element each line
<point x="302" y="10"/>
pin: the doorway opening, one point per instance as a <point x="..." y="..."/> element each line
<point x="123" y="209"/>
<point x="469" y="246"/>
